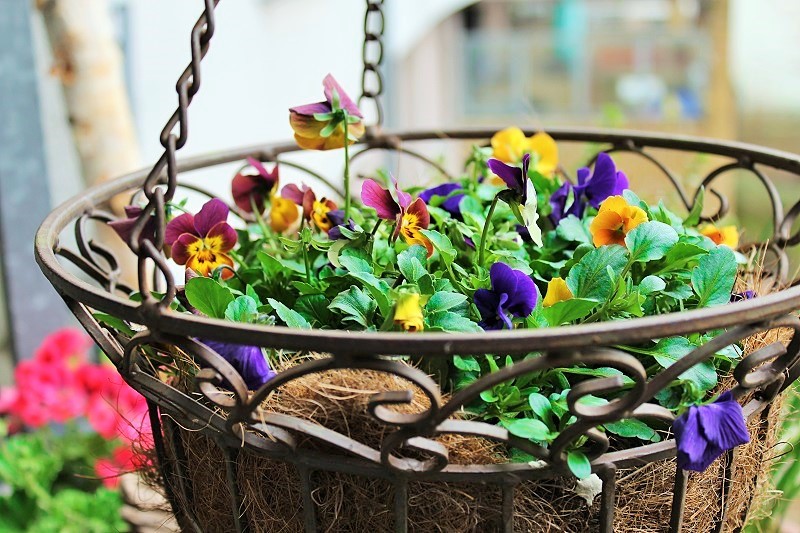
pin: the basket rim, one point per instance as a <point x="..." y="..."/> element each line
<point x="363" y="343"/>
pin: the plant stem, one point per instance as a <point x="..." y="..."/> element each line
<point x="486" y="225"/>
<point x="346" y="168"/>
<point x="307" y="262"/>
<point x="259" y="219"/>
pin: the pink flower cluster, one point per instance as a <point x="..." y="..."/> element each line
<point x="59" y="384"/>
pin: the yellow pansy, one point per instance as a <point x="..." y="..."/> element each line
<point x="727" y="235"/>
<point x="510" y="144"/>
<point x="614" y="220"/>
<point x="283" y="214"/>
<point x="408" y="312"/>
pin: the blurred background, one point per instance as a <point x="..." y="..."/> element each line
<point x="86" y="86"/>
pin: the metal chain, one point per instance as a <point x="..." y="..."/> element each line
<point x="150" y="246"/>
<point x="372" y="56"/>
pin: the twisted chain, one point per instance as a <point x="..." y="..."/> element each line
<point x="149" y="246"/>
<point x="372" y="56"/>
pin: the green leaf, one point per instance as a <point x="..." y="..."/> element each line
<point x="355" y="264"/>
<point x="242" y="309"/>
<point x="683" y="252"/>
<point x="442" y="301"/>
<point x="650" y="241"/>
<point x="208" y="296"/>
<point x="315" y="306"/>
<point x="442" y="244"/>
<point x="540" y="405"/>
<point x="449" y="321"/>
<point x="693" y="218"/>
<point x="378" y="288"/>
<point x="579" y="464"/>
<point x="466" y="363"/>
<point x="633" y="428"/>
<point x="529" y="428"/>
<point x="115" y="323"/>
<point x="589" y="278"/>
<point x="411" y="262"/>
<point x="291" y="318"/>
<point x="356" y="305"/>
<point x="670" y="350"/>
<point x="714" y="277"/>
<point x="571" y="229"/>
<point x="568" y="310"/>
<point x="652" y="284"/>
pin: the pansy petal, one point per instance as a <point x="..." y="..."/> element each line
<point x="440" y="190"/>
<point x="547" y="151"/>
<point x="184" y="247"/>
<point x="222" y="235"/>
<point x="123" y="227"/>
<point x="420" y="210"/>
<point x="689" y="438"/>
<point x="294" y="193"/>
<point x="503" y="278"/>
<point x="309" y="110"/>
<point x="308" y="203"/>
<point x="512" y="176"/>
<point x="723" y="423"/>
<point x="622" y="183"/>
<point x="345" y="102"/>
<point x="380" y="199"/>
<point x="247" y="190"/>
<point x="501" y="311"/>
<point x="132" y="211"/>
<point x="486" y="302"/>
<point x="178" y="226"/>
<point x="271" y="177"/>
<point x="249" y="361"/>
<point x="453" y="205"/>
<point x="522" y="301"/>
<point x="509" y="144"/>
<point x="403" y="198"/>
<point x="213" y="212"/>
<point x="603" y="182"/>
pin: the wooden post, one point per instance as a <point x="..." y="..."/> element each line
<point x="88" y="62"/>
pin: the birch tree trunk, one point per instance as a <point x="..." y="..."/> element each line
<point x="88" y="62"/>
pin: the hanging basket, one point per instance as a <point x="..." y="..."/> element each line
<point x="384" y="448"/>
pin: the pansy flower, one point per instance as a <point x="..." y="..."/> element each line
<point x="513" y="293"/>
<point x="320" y="126"/>
<point x="254" y="189"/>
<point x="614" y="220"/>
<point x="724" y="235"/>
<point x="557" y="291"/>
<point x="249" y="362"/>
<point x="314" y="210"/>
<point x="124" y="226"/>
<point x="522" y="194"/>
<point x="202" y="241"/>
<point x="445" y="190"/>
<point x="408" y="312"/>
<point x="748" y="294"/>
<point x="510" y="144"/>
<point x="592" y="189"/>
<point x="705" y="432"/>
<point x="283" y="214"/>
<point x="409" y="217"/>
<point x="336" y="218"/>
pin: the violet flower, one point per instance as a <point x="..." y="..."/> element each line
<point x="124" y="226"/>
<point x="522" y="193"/>
<point x="249" y="189"/>
<point x="451" y="204"/>
<point x="592" y="189"/>
<point x="410" y="217"/>
<point x="336" y="218"/>
<point x="705" y="432"/>
<point x="513" y="292"/>
<point x="202" y="241"/>
<point x="249" y="361"/>
<point x="742" y="296"/>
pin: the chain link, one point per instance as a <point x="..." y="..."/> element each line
<point x="149" y="247"/>
<point x="372" y="56"/>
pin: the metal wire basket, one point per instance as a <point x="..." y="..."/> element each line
<point x="238" y="421"/>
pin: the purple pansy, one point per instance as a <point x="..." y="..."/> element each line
<point x="249" y="362"/>
<point x="249" y="189"/>
<point x="513" y="292"/>
<point x="515" y="177"/>
<point x="705" y="432"/>
<point x="592" y="189"/>
<point x="744" y="295"/>
<point x="124" y="226"/>
<point x="337" y="222"/>
<point x="451" y="204"/>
